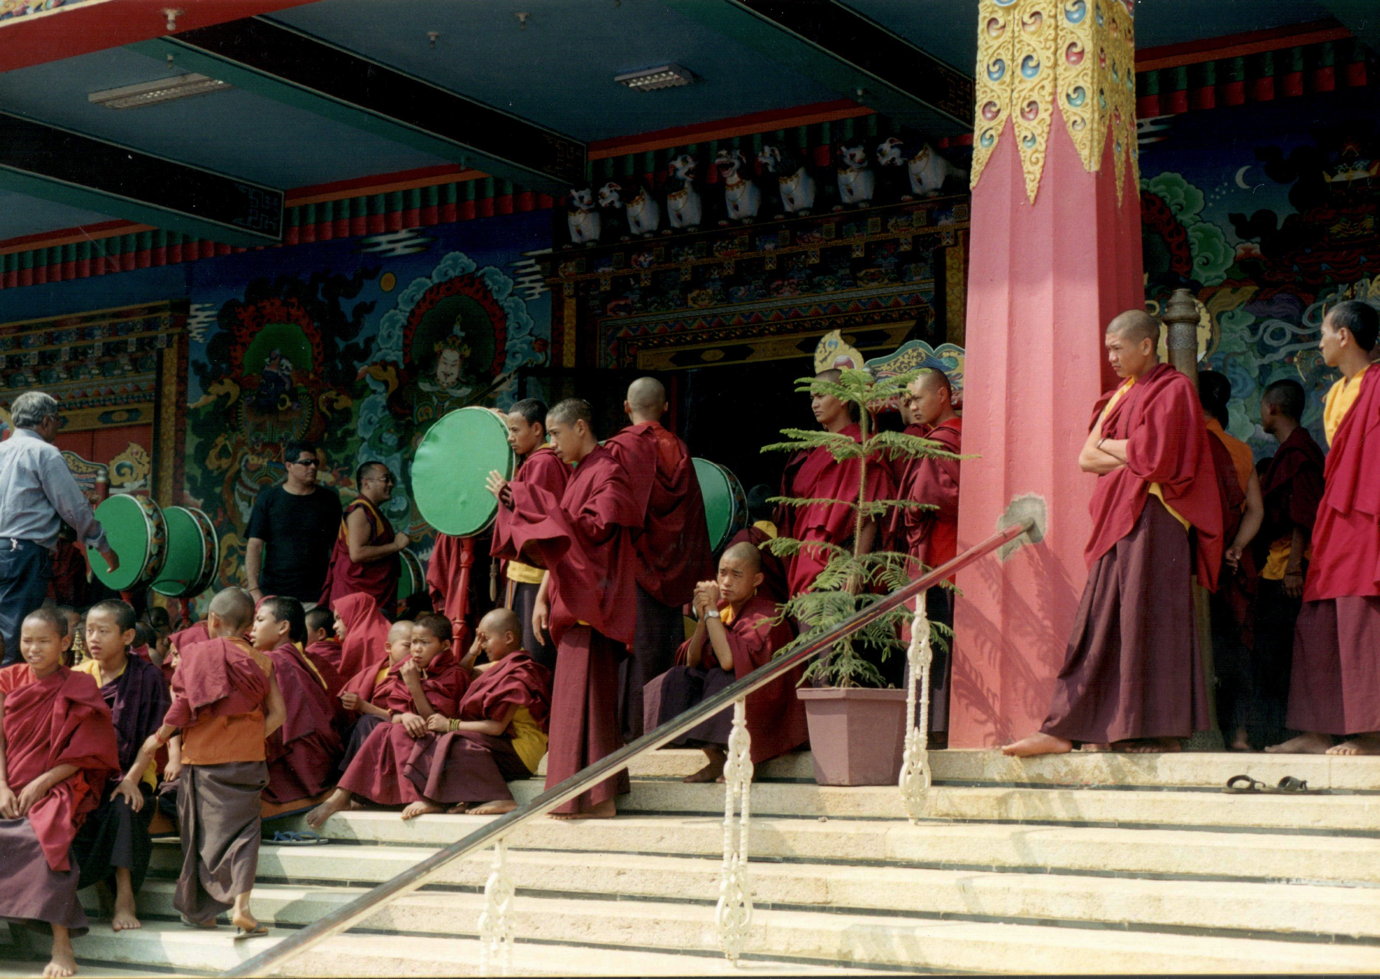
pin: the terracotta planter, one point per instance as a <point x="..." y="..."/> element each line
<point x="857" y="735"/>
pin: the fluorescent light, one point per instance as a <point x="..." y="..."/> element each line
<point x="159" y="90"/>
<point x="650" y="79"/>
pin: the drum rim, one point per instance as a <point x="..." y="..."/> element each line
<point x="155" y="547"/>
<point x="209" y="556"/>
<point x="510" y="464"/>
<point x="730" y="480"/>
<point x="406" y="556"/>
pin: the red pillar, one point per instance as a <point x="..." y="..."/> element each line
<point x="1045" y="278"/>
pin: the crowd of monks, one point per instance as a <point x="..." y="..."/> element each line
<point x="262" y="710"/>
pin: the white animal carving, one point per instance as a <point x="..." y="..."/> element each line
<point x="857" y="182"/>
<point x="796" y="185"/>
<point x="582" y="217"/>
<point x="684" y="209"/>
<point x="928" y="171"/>
<point x="742" y="198"/>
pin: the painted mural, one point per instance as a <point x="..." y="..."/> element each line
<point x="1269" y="213"/>
<point x="356" y="344"/>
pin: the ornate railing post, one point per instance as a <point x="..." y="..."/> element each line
<point x="915" y="767"/>
<point x="495" y="923"/>
<point x="733" y="914"/>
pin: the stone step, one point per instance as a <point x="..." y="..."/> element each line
<point x="987" y="765"/>
<point x="194" y="951"/>
<point x="1291" y="910"/>
<point x="988" y="846"/>
<point x="1341" y="813"/>
<point x="872" y="940"/>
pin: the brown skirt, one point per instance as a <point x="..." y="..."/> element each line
<point x="584" y="714"/>
<point x="1133" y="669"/>
<point x="218" y="810"/>
<point x="34" y="894"/>
<point x="464" y="766"/>
<point x="1334" y="686"/>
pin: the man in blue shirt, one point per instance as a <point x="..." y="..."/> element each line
<point x="37" y="492"/>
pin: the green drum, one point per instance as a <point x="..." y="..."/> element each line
<point x="193" y="553"/>
<point x="411" y="577"/>
<point x="450" y="468"/>
<point x="138" y="535"/>
<point x="725" y="503"/>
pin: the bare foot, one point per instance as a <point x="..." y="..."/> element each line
<point x="335" y="802"/>
<point x="497" y="808"/>
<point x="712" y="770"/>
<point x="1038" y="743"/>
<point x="124" y="916"/>
<point x="420" y="808"/>
<point x="355" y="805"/>
<point x="458" y="808"/>
<point x="1309" y="743"/>
<point x="246" y="922"/>
<point x="1362" y="744"/>
<point x="1149" y="746"/>
<point x="64" y="962"/>
<point x="604" y="810"/>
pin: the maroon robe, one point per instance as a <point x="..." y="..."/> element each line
<point x="816" y="474"/>
<point x="60" y="719"/>
<point x="379" y="578"/>
<point x="931" y="535"/>
<point x="775" y="716"/>
<point x="194" y="633"/>
<point x="585" y="541"/>
<point x="1132" y="669"/>
<point x="1335" y="684"/>
<point x="899" y="466"/>
<point x="1292" y="488"/>
<point x="215" y="678"/>
<point x="366" y="630"/>
<point x="302" y="754"/>
<point x="325" y="656"/>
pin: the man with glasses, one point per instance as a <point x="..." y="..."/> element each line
<point x="365" y="558"/>
<point x="291" y="530"/>
<point x="37" y="492"/>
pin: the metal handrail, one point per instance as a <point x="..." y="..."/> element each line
<point x="421" y="873"/>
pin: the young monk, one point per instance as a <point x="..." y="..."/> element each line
<point x="375" y="692"/>
<point x="302" y="754"/>
<point x="322" y="648"/>
<point x="57" y="751"/>
<point x="737" y="633"/>
<point x="176" y="641"/>
<point x="113" y="844"/>
<point x="226" y="704"/>
<point x="499" y="734"/>
<point x="361" y="628"/>
<point x="435" y="682"/>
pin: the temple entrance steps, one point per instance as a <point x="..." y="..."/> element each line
<point x="1085" y="863"/>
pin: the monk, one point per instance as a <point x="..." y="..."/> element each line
<point x="1132" y="675"/>
<point x="435" y="683"/>
<point x="537" y="464"/>
<point x="816" y="474"/>
<point x="737" y="632"/>
<point x="1333" y="689"/>
<point x="365" y="558"/>
<point x="588" y="600"/>
<point x="672" y="545"/>
<point x="361" y="629"/>
<point x="226" y="704"/>
<point x="302" y="754"/>
<point x="57" y="752"/>
<point x="113" y="847"/>
<point x="196" y="632"/>
<point x="930" y="532"/>
<point x="1292" y="487"/>
<point x="377" y="692"/>
<point x="498" y="735"/>
<point x="322" y="648"/>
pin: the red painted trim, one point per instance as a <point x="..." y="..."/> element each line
<point x="746" y="125"/>
<point x="1237" y="45"/>
<point x="383" y="183"/>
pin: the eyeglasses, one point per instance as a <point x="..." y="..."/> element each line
<point x="312" y="463"/>
<point x="384" y="479"/>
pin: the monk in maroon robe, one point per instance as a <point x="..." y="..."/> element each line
<point x="816" y="474"/>
<point x="377" y="693"/>
<point x="1132" y="673"/>
<point x="194" y="633"/>
<point x="322" y="649"/>
<point x="365" y="558"/>
<point x="1334" y="690"/>
<point x="362" y="631"/>
<point x="736" y="634"/>
<point x="56" y="756"/>
<point x="1291" y="488"/>
<point x="498" y="735"/>
<point x="672" y="546"/>
<point x="302" y="754"/>
<point x="435" y="682"/>
<point x="539" y="465"/>
<point x="585" y="541"/>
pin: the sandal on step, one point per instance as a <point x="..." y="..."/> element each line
<point x="1244" y="783"/>
<point x="293" y="837"/>
<point x="1297" y="786"/>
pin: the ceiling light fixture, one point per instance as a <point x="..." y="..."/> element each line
<point x="159" y="90"/>
<point x="651" y="79"/>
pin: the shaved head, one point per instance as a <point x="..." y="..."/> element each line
<point x="569" y="411"/>
<point x="399" y="630"/>
<point x="1135" y="325"/>
<point x="647" y="397"/>
<point x="502" y="620"/>
<point x="930" y="379"/>
<point x="234" y="608"/>
<point x="745" y="552"/>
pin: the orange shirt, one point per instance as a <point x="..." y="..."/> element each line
<point x="239" y="737"/>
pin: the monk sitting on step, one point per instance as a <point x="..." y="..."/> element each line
<point x="57" y="750"/>
<point x="436" y="683"/>
<point x="498" y="736"/>
<point x="738" y="631"/>
<point x="375" y="693"/>
<point x="322" y="648"/>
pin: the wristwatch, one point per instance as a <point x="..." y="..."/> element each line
<point x="713" y="613"/>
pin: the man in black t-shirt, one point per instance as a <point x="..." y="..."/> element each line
<point x="292" y="529"/>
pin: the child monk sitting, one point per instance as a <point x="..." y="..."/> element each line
<point x="499" y="735"/>
<point x="322" y="648"/>
<point x="436" y="682"/>
<point x="113" y="846"/>
<point x="737" y="633"/>
<point x="302" y="755"/>
<point x="374" y="693"/>
<point x="57" y="752"/>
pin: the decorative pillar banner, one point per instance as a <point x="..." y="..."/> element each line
<point x="1078" y="55"/>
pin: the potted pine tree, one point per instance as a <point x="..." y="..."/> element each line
<point x="856" y="721"/>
